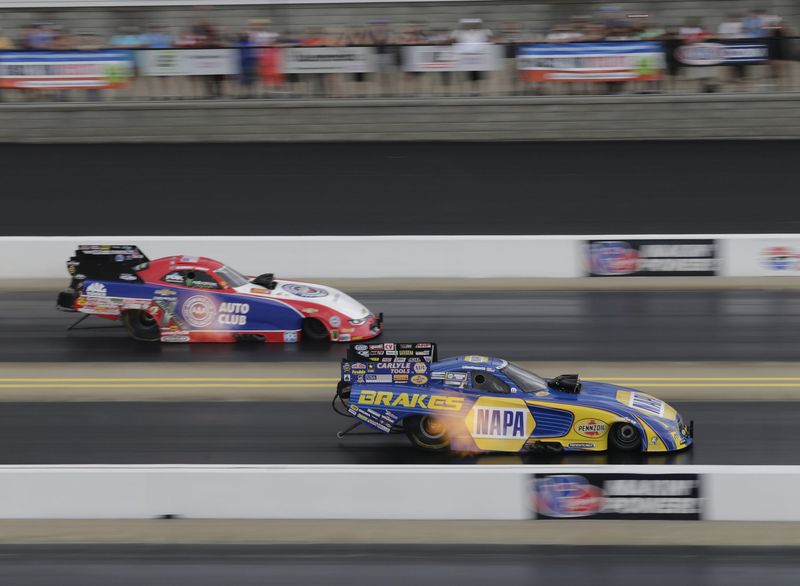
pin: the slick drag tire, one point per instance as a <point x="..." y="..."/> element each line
<point x="625" y="437"/>
<point x="427" y="432"/>
<point x="314" y="330"/>
<point x="141" y="326"/>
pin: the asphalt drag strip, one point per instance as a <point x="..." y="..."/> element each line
<point x="275" y="432"/>
<point x="354" y="565"/>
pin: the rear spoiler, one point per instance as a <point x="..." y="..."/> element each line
<point x="107" y="262"/>
<point x="388" y="363"/>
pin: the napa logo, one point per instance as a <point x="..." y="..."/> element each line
<point x="500" y="424"/>
<point x="492" y="422"/>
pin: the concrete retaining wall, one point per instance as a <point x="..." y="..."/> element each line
<point x="534" y="118"/>
<point x="724" y="493"/>
<point x="403" y="257"/>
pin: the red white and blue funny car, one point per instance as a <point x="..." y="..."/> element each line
<point x="197" y="299"/>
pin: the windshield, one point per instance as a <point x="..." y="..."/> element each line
<point x="527" y="381"/>
<point x="233" y="277"/>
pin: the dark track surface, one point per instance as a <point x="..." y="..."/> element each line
<point x="305" y="433"/>
<point x="401" y="188"/>
<point x="357" y="565"/>
<point x="581" y="326"/>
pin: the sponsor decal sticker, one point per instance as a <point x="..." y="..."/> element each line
<point x="378" y="378"/>
<point x="500" y="423"/>
<point x="496" y="423"/>
<point x="420" y="367"/>
<point x="306" y="291"/>
<point x="410" y="400"/>
<point x="581" y="445"/>
<point x="127" y="277"/>
<point x="476" y="359"/>
<point x="233" y="314"/>
<point x="419" y="379"/>
<point x="592" y="428"/>
<point x="335" y="321"/>
<point x="290" y="336"/>
<point x="199" y="311"/>
<point x="96" y="290"/>
<point x="174" y="338"/>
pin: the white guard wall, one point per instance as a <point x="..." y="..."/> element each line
<point x="323" y="256"/>
<point x="730" y="493"/>
<point x="290" y="492"/>
<point x="758" y="255"/>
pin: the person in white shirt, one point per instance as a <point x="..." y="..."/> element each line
<point x="732" y="28"/>
<point x="472" y="38"/>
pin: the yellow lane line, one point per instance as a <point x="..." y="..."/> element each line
<point x="721" y="385"/>
<point x="168" y="379"/>
<point x="301" y="385"/>
<point x="706" y="378"/>
<point x="144" y="380"/>
<point x="165" y="386"/>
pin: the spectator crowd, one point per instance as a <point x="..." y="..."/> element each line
<point x="609" y="23"/>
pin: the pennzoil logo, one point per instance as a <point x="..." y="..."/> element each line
<point x="592" y="428"/>
<point x="417" y="400"/>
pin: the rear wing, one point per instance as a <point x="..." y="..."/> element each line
<point x="107" y="262"/>
<point x="388" y="363"/>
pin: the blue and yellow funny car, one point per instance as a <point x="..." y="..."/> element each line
<point x="482" y="404"/>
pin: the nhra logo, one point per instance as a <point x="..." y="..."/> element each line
<point x="780" y="258"/>
<point x="566" y="496"/>
<point x="499" y="423"/>
<point x="199" y="311"/>
<point x="613" y="257"/>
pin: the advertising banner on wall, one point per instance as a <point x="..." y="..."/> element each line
<point x="486" y="57"/>
<point x="600" y="61"/>
<point x="723" y="52"/>
<point x="162" y="62"/>
<point x="329" y="60"/>
<point x="616" y="496"/>
<point x="761" y="257"/>
<point x="65" y="70"/>
<point x="651" y="258"/>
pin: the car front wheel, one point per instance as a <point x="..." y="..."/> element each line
<point x="314" y="330"/>
<point x="625" y="437"/>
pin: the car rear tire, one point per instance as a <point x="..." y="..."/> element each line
<point x="315" y="330"/>
<point x="141" y="326"/>
<point x="625" y="437"/>
<point x="427" y="432"/>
